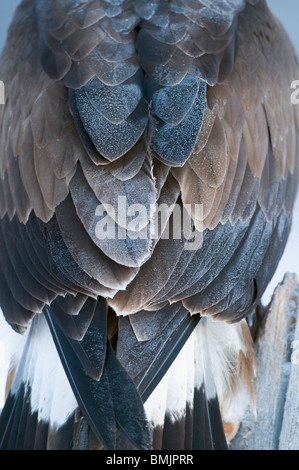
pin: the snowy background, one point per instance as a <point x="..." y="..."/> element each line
<point x="288" y="12"/>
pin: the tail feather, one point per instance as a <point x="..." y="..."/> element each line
<point x="30" y="418"/>
<point x="89" y="344"/>
<point x="172" y="371"/>
<point x="194" y="377"/>
<point x="206" y="402"/>
<point x="203" y="390"/>
<point x="165" y="357"/>
<point x="208" y="433"/>
<point x="108" y="404"/>
<point x="40" y="401"/>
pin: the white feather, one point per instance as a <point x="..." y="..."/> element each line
<point x="42" y="373"/>
<point x="11" y="348"/>
<point x="210" y="354"/>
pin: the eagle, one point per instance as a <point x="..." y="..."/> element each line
<point x="149" y="162"/>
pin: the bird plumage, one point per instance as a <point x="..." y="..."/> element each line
<point x="179" y="104"/>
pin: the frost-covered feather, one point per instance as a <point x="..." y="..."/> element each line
<point x="157" y="102"/>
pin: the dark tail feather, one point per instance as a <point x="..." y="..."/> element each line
<point x="197" y="424"/>
<point x="111" y="405"/>
<point x="108" y="405"/>
<point x="166" y="356"/>
<point x="97" y="408"/>
<point x="10" y="414"/>
<point x="208" y="431"/>
<point x="86" y="332"/>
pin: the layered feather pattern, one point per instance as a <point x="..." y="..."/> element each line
<point x="148" y="171"/>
